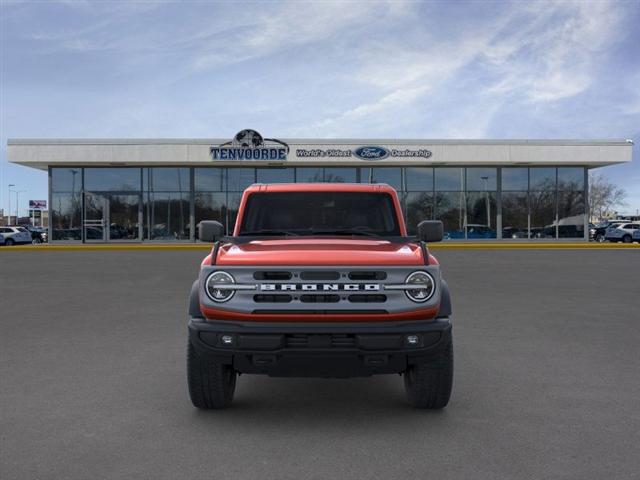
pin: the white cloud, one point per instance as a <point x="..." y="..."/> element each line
<point x="553" y="56"/>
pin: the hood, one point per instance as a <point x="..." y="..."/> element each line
<point x="320" y="251"/>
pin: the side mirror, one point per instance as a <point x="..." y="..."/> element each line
<point x="210" y="231"/>
<point x="430" y="231"/>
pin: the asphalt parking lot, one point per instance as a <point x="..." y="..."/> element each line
<point x="547" y="380"/>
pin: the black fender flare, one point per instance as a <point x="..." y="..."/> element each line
<point x="445" y="301"/>
<point x="194" y="301"/>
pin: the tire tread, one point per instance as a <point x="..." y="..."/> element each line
<point x="428" y="384"/>
<point x="211" y="384"/>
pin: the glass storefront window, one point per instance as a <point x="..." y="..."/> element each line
<point x="309" y="175"/>
<point x="211" y="179"/>
<point x="340" y="175"/>
<point x="167" y="216"/>
<point x="481" y="215"/>
<point x="515" y="178"/>
<point x="482" y="179"/>
<point x="515" y="215"/>
<point x="66" y="179"/>
<point x="66" y="216"/>
<point x="275" y="175"/>
<point x="419" y="179"/>
<point x="450" y="208"/>
<point x="166" y="179"/>
<point x="571" y="211"/>
<point x="112" y="179"/>
<point x="233" y="202"/>
<point x="540" y="202"/>
<point x="543" y="214"/>
<point x="392" y="176"/>
<point x="449" y="179"/>
<point x="418" y="207"/>
<point x="240" y="178"/>
<point x="210" y="206"/>
<point x="329" y="175"/>
<point x="571" y="178"/>
<point x="542" y="178"/>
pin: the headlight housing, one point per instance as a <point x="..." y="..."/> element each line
<point x="213" y="286"/>
<point x="425" y="286"/>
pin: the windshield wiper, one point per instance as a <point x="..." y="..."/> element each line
<point x="346" y="231"/>
<point x="266" y="231"/>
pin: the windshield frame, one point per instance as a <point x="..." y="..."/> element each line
<point x="378" y="189"/>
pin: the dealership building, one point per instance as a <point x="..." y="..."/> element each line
<point x="132" y="190"/>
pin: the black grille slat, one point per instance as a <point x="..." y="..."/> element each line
<point x="308" y="298"/>
<point x="367" y="275"/>
<point x="272" y="275"/>
<point x="367" y="298"/>
<point x="320" y="275"/>
<point x="320" y="341"/>
<point x="276" y="298"/>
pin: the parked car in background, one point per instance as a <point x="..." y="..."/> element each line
<point x="622" y="233"/>
<point x="38" y="234"/>
<point x="543" y="232"/>
<point x="473" y="231"/>
<point x="15" y="235"/>
<point x="514" y="232"/>
<point x="598" y="232"/>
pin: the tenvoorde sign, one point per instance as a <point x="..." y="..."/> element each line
<point x="250" y="145"/>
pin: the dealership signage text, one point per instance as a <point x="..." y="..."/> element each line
<point x="369" y="152"/>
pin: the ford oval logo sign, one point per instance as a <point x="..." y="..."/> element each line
<point x="371" y="153"/>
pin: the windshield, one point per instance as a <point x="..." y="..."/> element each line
<point x="318" y="213"/>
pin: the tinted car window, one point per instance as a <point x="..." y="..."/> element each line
<point x="308" y="213"/>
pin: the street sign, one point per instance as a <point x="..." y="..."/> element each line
<point x="38" y="204"/>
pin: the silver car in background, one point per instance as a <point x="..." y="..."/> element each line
<point x="622" y="233"/>
<point x="15" y="235"/>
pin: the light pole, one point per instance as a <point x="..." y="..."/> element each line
<point x="18" y="192"/>
<point x="9" y="211"/>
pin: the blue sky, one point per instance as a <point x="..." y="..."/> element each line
<point x="319" y="69"/>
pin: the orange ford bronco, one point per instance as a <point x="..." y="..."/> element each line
<point x="320" y="280"/>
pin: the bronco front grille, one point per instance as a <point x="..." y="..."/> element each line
<point x="320" y="290"/>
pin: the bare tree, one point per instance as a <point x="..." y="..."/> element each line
<point x="604" y="196"/>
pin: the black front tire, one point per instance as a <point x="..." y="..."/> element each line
<point x="599" y="238"/>
<point x="9" y="242"/>
<point x="211" y="384"/>
<point x="428" y="384"/>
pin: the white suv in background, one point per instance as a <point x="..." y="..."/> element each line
<point x="15" y="235"/>
<point x="622" y="233"/>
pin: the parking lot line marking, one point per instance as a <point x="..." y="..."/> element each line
<point x="439" y="246"/>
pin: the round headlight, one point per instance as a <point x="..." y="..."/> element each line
<point x="215" y="286"/>
<point x="425" y="286"/>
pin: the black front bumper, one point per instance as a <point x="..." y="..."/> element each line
<point x="319" y="350"/>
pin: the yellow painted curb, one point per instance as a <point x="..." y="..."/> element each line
<point x="438" y="246"/>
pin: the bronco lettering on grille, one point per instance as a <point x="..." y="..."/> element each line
<point x="324" y="287"/>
